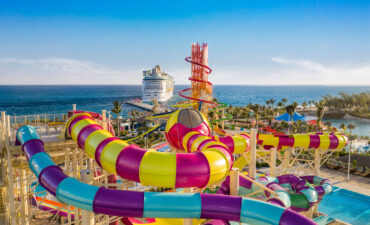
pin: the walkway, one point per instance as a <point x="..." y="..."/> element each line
<point x="356" y="183"/>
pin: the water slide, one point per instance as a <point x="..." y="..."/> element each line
<point x="219" y="131"/>
<point x="321" y="141"/>
<point x="296" y="193"/>
<point x="223" y="117"/>
<point x="317" y="141"/>
<point x="148" y="167"/>
<point x="46" y="202"/>
<point x="151" y="130"/>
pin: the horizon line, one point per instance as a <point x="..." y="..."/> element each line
<point x="332" y="85"/>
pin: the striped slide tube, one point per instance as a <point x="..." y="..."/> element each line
<point x="247" y="187"/>
<point x="315" y="140"/>
<point x="147" y="204"/>
<point x="304" y="196"/>
<point x="237" y="144"/>
<point x="196" y="142"/>
<point x="150" y="167"/>
<point x="322" y="185"/>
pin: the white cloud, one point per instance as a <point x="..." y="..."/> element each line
<point x="277" y="71"/>
<point x="307" y="64"/>
<point x="62" y="71"/>
<point x="331" y="75"/>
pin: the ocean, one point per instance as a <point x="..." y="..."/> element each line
<point x="48" y="99"/>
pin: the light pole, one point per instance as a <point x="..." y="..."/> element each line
<point x="349" y="162"/>
<point x="349" y="156"/>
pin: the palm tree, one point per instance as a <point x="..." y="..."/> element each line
<point x="117" y="109"/>
<point x="304" y="104"/>
<point x="133" y="114"/>
<point x="229" y="109"/>
<point x="351" y="127"/>
<point x="284" y="100"/>
<point x="256" y="109"/>
<point x="299" y="124"/>
<point x="328" y="125"/>
<point x="156" y="106"/>
<point x="342" y="126"/>
<point x="295" y="104"/>
<point x="319" y="114"/>
<point x="290" y="110"/>
<point x="211" y="115"/>
<point x="268" y="102"/>
<point x="272" y="101"/>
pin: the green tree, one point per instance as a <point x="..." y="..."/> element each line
<point x="342" y="126"/>
<point x="117" y="109"/>
<point x="156" y="106"/>
<point x="328" y="125"/>
<point x="256" y="109"/>
<point x="304" y="104"/>
<point x="290" y="110"/>
<point x="354" y="164"/>
<point x="211" y="115"/>
<point x="299" y="124"/>
<point x="295" y="104"/>
<point x="319" y="114"/>
<point x="133" y="117"/>
<point x="351" y="127"/>
<point x="272" y="101"/>
<point x="268" y="102"/>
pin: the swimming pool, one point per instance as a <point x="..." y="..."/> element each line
<point x="348" y="206"/>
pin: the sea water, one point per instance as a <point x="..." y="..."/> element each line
<point x="43" y="99"/>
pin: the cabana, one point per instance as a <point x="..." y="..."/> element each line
<point x="286" y="117"/>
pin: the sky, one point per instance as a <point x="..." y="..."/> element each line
<point x="250" y="42"/>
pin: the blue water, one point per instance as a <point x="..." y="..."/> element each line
<point x="362" y="127"/>
<point x="347" y="206"/>
<point x="27" y="100"/>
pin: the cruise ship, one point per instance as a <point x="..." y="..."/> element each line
<point x="157" y="85"/>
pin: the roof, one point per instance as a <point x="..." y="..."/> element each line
<point x="286" y="117"/>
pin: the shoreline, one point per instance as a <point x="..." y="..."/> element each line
<point x="333" y="115"/>
<point x="348" y="116"/>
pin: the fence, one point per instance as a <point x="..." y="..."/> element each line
<point x="42" y="122"/>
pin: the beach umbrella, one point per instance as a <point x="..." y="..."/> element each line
<point x="286" y="117"/>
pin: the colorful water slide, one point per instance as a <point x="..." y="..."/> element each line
<point x="43" y="201"/>
<point x="311" y="140"/>
<point x="219" y="130"/>
<point x="145" y="204"/>
<point x="296" y="193"/>
<point x="223" y="117"/>
<point x="163" y="169"/>
<point x="159" y="115"/>
<point x="160" y="221"/>
<point x="95" y="116"/>
<point x="151" y="130"/>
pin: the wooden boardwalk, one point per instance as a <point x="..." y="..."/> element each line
<point x="144" y="106"/>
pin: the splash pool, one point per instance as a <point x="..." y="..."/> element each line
<point x="348" y="206"/>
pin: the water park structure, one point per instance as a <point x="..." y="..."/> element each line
<point x="83" y="174"/>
